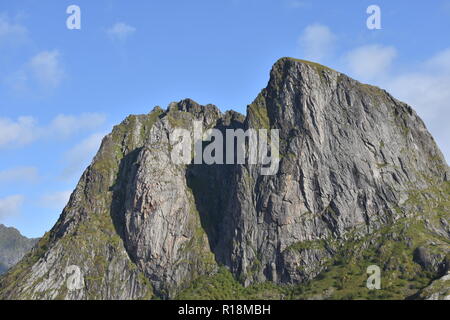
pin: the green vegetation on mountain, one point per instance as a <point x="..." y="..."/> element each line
<point x="360" y="182"/>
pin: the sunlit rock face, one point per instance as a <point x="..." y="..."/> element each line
<point x="359" y="179"/>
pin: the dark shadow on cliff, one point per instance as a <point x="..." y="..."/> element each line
<point x="212" y="187"/>
<point x="122" y="184"/>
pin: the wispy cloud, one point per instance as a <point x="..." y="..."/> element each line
<point x="44" y="71"/>
<point x="120" y="31"/>
<point x="81" y="154"/>
<point x="24" y="130"/>
<point x="19" y="174"/>
<point x="439" y="62"/>
<point x="10" y="206"/>
<point x="427" y="90"/>
<point x="18" y="132"/>
<point x="55" y="200"/>
<point x="371" y="61"/>
<point x="317" y="42"/>
<point x="47" y="69"/>
<point x="11" y="32"/>
<point x="66" y="125"/>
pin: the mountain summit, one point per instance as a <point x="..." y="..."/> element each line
<point x="360" y="183"/>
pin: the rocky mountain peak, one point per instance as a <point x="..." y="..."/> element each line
<point x="209" y="112"/>
<point x="360" y="182"/>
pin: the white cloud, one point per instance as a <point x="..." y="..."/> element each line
<point x="11" y="32"/>
<point x="25" y="130"/>
<point x="371" y="61"/>
<point x="46" y="68"/>
<point x="440" y="62"/>
<point x="317" y="42"/>
<point x="19" y="174"/>
<point x="19" y="132"/>
<point x="55" y="200"/>
<point x="18" y="81"/>
<point x="120" y="31"/>
<point x="427" y="91"/>
<point x="66" y="125"/>
<point x="10" y="206"/>
<point x="80" y="155"/>
<point x="42" y="71"/>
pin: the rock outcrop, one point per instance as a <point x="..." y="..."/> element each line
<point x="360" y="181"/>
<point x="437" y="290"/>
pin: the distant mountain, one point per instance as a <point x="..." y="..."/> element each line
<point x="13" y="246"/>
<point x="361" y="183"/>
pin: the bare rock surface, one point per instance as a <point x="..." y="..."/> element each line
<point x="355" y="165"/>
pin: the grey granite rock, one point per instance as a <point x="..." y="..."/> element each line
<point x="350" y="153"/>
<point x="139" y="226"/>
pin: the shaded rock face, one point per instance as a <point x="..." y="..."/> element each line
<point x="350" y="153"/>
<point x="139" y="226"/>
<point x="435" y="262"/>
<point x="13" y="246"/>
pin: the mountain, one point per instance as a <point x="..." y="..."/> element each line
<point x="13" y="246"/>
<point x="360" y="182"/>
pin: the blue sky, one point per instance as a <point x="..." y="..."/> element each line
<point x="62" y="90"/>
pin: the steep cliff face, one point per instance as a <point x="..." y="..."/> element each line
<point x="351" y="154"/>
<point x="13" y="246"/>
<point x="360" y="182"/>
